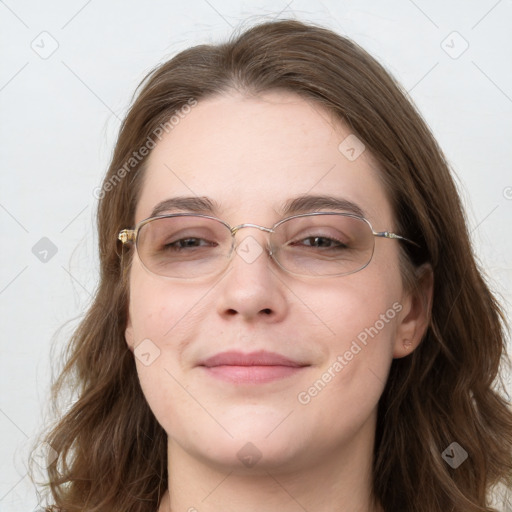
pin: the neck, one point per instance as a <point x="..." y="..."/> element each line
<point x="339" y="482"/>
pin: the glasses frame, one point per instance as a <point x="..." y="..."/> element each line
<point x="131" y="236"/>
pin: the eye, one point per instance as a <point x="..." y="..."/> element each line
<point x="186" y="243"/>
<point x="320" y="242"/>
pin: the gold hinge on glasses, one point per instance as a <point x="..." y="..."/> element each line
<point x="126" y="235"/>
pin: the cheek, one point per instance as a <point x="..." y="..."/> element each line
<point x="362" y="319"/>
<point x="165" y="318"/>
<point x="360" y="307"/>
<point x="160" y="309"/>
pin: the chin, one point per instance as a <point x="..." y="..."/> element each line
<point x="256" y="446"/>
<point x="251" y="457"/>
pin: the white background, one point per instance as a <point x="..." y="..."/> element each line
<point x="59" y="116"/>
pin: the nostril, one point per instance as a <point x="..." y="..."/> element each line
<point x="267" y="311"/>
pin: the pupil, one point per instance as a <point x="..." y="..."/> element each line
<point x="189" y="242"/>
<point x="320" y="241"/>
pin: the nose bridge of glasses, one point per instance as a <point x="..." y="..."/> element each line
<point x="264" y="245"/>
<point x="234" y="230"/>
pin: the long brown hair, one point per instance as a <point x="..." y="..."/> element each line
<point x="112" y="451"/>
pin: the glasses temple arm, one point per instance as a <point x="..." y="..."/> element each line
<point x="388" y="234"/>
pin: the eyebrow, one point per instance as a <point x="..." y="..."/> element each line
<point x="309" y="203"/>
<point x="301" y="204"/>
<point x="193" y="204"/>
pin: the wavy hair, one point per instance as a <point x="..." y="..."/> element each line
<point x="112" y="453"/>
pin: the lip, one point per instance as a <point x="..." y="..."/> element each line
<point x="260" y="358"/>
<point x="251" y="368"/>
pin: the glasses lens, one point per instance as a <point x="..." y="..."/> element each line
<point x="184" y="246"/>
<point x="323" y="244"/>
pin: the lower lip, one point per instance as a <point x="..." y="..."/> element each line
<point x="252" y="374"/>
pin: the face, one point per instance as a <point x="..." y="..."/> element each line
<point x="250" y="156"/>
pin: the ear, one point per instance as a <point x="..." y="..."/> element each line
<point x="415" y="315"/>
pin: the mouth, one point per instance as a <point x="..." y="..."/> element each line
<point x="251" y="368"/>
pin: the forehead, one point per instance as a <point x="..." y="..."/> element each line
<point x="251" y="155"/>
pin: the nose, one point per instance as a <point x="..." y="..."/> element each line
<point x="252" y="288"/>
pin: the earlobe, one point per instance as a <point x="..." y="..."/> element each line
<point x="416" y="313"/>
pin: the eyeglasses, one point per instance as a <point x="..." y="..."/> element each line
<point x="322" y="244"/>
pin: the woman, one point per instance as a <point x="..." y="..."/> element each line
<point x="289" y="315"/>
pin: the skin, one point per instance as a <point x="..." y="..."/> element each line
<point x="251" y="154"/>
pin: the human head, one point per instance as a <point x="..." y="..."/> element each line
<point x="412" y="428"/>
